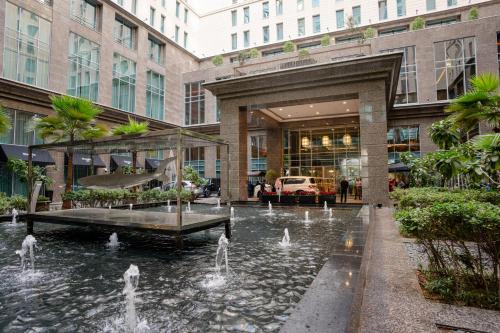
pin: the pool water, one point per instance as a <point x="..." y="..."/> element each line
<point x="77" y="285"/>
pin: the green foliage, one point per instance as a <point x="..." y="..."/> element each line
<point x="7" y="203"/>
<point x="473" y="13"/>
<point x="369" y="33"/>
<point x="20" y="169"/>
<point x="326" y="40"/>
<point x="489" y="146"/>
<point x="254" y="53"/>
<point x="218" y="60"/>
<point x="288" y="47"/>
<point x="304" y="53"/>
<point x="190" y="174"/>
<point x="271" y="176"/>
<point x="417" y="24"/>
<point x="5" y="121"/>
<point x="133" y="127"/>
<point x="444" y="134"/>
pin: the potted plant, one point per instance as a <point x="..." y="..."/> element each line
<point x="42" y="204"/>
<point x="269" y="197"/>
<point x="306" y="197"/>
<point x="328" y="196"/>
<point x="288" y="197"/>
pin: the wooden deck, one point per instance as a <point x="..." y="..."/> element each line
<point x="160" y="222"/>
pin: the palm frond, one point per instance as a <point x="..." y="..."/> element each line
<point x="5" y="121"/>
<point x="132" y="127"/>
<point x="486" y="82"/>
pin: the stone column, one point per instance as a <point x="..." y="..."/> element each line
<point x="234" y="131"/>
<point x="274" y="149"/>
<point x="373" y="136"/>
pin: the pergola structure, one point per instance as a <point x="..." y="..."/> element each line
<point x="177" y="140"/>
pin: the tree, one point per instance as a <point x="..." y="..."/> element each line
<point x="480" y="104"/>
<point x="217" y="60"/>
<point x="20" y="169"/>
<point x="74" y="119"/>
<point x="288" y="47"/>
<point x="190" y="174"/>
<point x="133" y="127"/>
<point x="5" y="123"/>
<point x="325" y="40"/>
<point x="473" y="13"/>
<point x="418" y="23"/>
<point x="444" y="134"/>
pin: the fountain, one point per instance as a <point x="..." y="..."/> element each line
<point x="232" y="213"/>
<point x="218" y="204"/>
<point x="270" y="207"/>
<point x="330" y="214"/>
<point x="109" y="207"/>
<point x="188" y="208"/>
<point x="285" y="242"/>
<point x="222" y="254"/>
<point x="325" y="207"/>
<point x="169" y="208"/>
<point x="14" y="215"/>
<point x="306" y="218"/>
<point x="28" y="245"/>
<point x="113" y="240"/>
<point x="131" y="277"/>
<point x="130" y="206"/>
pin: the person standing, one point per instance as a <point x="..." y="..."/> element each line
<point x="344" y="188"/>
<point x="278" y="185"/>
<point x="358" y="190"/>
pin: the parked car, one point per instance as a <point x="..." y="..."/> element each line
<point x="298" y="184"/>
<point x="257" y="191"/>
<point x="187" y="185"/>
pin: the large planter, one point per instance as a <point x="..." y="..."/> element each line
<point x="266" y="197"/>
<point x="42" y="206"/>
<point x="329" y="198"/>
<point x="288" y="199"/>
<point x="307" y="199"/>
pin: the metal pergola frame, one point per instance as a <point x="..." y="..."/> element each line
<point x="170" y="139"/>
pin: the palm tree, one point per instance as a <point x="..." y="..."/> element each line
<point x="481" y="103"/>
<point x="444" y="134"/>
<point x="74" y="119"/>
<point x="133" y="127"/>
<point x="5" y="125"/>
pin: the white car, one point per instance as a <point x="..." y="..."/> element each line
<point x="297" y="184"/>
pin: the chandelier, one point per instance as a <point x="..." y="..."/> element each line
<point x="305" y="142"/>
<point x="347" y="139"/>
<point x="325" y="141"/>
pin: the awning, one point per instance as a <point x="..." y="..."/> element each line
<point x="398" y="167"/>
<point x="86" y="160"/>
<point x="124" y="161"/>
<point x="40" y="157"/>
<point x="152" y="163"/>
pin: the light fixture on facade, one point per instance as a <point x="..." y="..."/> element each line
<point x="344" y="102"/>
<point x="311" y="106"/>
<point x="305" y="142"/>
<point x="325" y="141"/>
<point x="347" y="110"/>
<point x="347" y="139"/>
<point x="317" y="112"/>
<point x="289" y="115"/>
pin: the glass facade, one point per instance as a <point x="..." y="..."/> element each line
<point x="329" y="153"/>
<point x="155" y="96"/>
<point x="407" y="85"/>
<point x="83" y="75"/>
<point x="85" y="12"/>
<point x="123" y="33"/>
<point x="258" y="153"/>
<point x="195" y="158"/>
<point x="27" y="47"/>
<point x="402" y="139"/>
<point x="382" y="10"/>
<point x="124" y="72"/>
<point x="455" y="64"/>
<point x="234" y="18"/>
<point x="316" y="24"/>
<point x="301" y="27"/>
<point x="194" y="102"/>
<point x="339" y="15"/>
<point x="155" y="51"/>
<point x="300" y="5"/>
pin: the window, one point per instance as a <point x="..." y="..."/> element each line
<point x="234" y="41"/>
<point x="430" y="4"/>
<point x="84" y="12"/>
<point x="21" y="131"/>
<point x="194" y="103"/>
<point x="452" y="3"/>
<point x="152" y="16"/>
<point x="26" y="47"/>
<point x="356" y="15"/>
<point x="217" y="163"/>
<point x="134" y="7"/>
<point x="392" y="31"/>
<point x="246" y="38"/>
<point x="177" y="8"/>
<point x="455" y="64"/>
<point x="279" y="31"/>
<point x="186" y="14"/>
<point x="339" y="15"/>
<point x="162" y="26"/>
<point x="176" y="34"/>
<point x="258" y="151"/>
<point x="124" y="33"/>
<point x="234" y="18"/>
<point x="301" y="27"/>
<point x="315" y="3"/>
<point x="382" y="10"/>
<point x="163" y="3"/>
<point x="316" y="24"/>
<point x="83" y="74"/>
<point x="155" y="50"/>
<point x="265" y="10"/>
<point x="246" y="15"/>
<point x="401" y="8"/>
<point x="279" y="7"/>
<point x="124" y="72"/>
<point x="265" y="34"/>
<point x="442" y="21"/>
<point x="155" y="96"/>
<point x="402" y="139"/>
<point x="300" y="5"/>
<point x="407" y="85"/>
<point x="195" y="158"/>
<point x="186" y="40"/>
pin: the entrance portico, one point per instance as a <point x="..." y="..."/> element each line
<point x="268" y="99"/>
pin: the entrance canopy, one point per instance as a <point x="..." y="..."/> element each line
<point x="40" y="157"/>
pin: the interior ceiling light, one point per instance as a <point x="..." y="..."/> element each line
<point x="311" y="106"/>
<point x="325" y="141"/>
<point x="281" y="109"/>
<point x="344" y="102"/>
<point x="305" y="142"/>
<point x="289" y="115"/>
<point x="347" y="139"/>
<point x="317" y="112"/>
<point x="347" y="110"/>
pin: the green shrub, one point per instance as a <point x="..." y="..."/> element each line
<point x="18" y="202"/>
<point x="218" y="60"/>
<point x="304" y="53"/>
<point x="369" y="33"/>
<point x="417" y="24"/>
<point x="473" y="13"/>
<point x="288" y="47"/>
<point x="325" y="40"/>
<point x="254" y="53"/>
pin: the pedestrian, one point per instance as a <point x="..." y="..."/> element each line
<point x="344" y="188"/>
<point x="278" y="185"/>
<point x="358" y="190"/>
